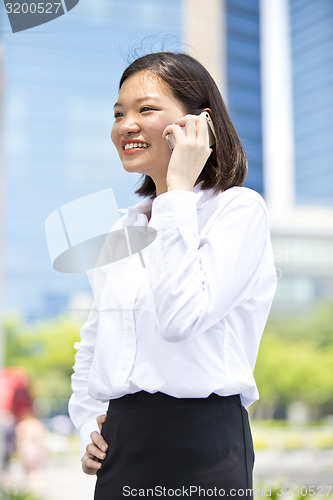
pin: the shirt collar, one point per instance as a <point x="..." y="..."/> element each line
<point x="202" y="196"/>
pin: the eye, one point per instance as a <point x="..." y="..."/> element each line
<point x="118" y="114"/>
<point x="146" y="108"/>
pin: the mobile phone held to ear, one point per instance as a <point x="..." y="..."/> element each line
<point x="211" y="131"/>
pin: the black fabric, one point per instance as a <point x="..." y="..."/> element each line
<point x="157" y="441"/>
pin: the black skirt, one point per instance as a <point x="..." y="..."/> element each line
<point x="161" y="446"/>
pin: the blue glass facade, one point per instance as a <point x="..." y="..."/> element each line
<point x="312" y="62"/>
<point x="60" y="86"/>
<point x="243" y="80"/>
<point x="61" y="81"/>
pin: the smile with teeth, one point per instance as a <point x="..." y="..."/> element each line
<point x="136" y="145"/>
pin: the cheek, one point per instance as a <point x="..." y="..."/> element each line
<point x="115" y="135"/>
<point x="155" y="136"/>
<point x="156" y="126"/>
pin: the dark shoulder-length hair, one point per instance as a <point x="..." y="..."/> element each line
<point x="191" y="84"/>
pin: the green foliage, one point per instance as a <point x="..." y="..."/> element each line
<point x="296" y="358"/>
<point x="294" y="364"/>
<point x="17" y="495"/>
<point x="291" y="437"/>
<point x="316" y="324"/>
<point x="46" y="351"/>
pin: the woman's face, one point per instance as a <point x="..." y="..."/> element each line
<point x="144" y="108"/>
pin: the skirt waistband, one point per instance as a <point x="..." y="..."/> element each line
<point x="143" y="400"/>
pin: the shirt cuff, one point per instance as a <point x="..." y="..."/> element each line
<point x="85" y="430"/>
<point x="174" y="208"/>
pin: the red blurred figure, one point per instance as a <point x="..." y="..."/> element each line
<point x="20" y="422"/>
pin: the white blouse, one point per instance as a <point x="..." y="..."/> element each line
<point x="185" y="317"/>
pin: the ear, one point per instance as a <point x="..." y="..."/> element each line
<point x="209" y="111"/>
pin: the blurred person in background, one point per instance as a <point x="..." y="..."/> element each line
<point x="26" y="435"/>
<point x="169" y="348"/>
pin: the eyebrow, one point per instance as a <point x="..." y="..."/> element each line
<point x="145" y="98"/>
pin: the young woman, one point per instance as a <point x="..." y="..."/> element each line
<point x="170" y="346"/>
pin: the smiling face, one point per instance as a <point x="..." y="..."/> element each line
<point x="144" y="108"/>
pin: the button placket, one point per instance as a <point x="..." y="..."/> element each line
<point x="128" y="348"/>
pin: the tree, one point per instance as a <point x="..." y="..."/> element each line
<point x="46" y="351"/>
<point x="296" y="358"/>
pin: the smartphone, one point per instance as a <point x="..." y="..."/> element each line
<point x="211" y="131"/>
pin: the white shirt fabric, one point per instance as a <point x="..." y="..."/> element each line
<point x="189" y="321"/>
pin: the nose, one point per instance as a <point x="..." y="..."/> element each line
<point x="129" y="126"/>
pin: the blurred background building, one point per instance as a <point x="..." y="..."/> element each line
<point x="273" y="62"/>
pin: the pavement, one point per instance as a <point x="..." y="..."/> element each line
<point x="67" y="481"/>
<point x="287" y="470"/>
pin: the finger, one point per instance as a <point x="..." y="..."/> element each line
<point x="187" y="124"/>
<point x="202" y="127"/>
<point x="98" y="440"/>
<point x="184" y="120"/>
<point x="175" y="130"/>
<point x="191" y="127"/>
<point x="92" y="459"/>
<point x="95" y="452"/>
<point x="100" y="421"/>
<point x="181" y="122"/>
<point x="88" y="465"/>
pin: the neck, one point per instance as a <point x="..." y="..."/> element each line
<point x="161" y="186"/>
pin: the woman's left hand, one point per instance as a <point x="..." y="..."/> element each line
<point x="96" y="450"/>
<point x="190" y="153"/>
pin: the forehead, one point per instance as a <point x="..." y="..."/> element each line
<point x="145" y="83"/>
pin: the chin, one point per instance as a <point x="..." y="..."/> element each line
<point x="133" y="169"/>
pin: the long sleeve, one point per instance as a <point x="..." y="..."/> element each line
<point x="192" y="307"/>
<point x="83" y="409"/>
<point x="197" y="280"/>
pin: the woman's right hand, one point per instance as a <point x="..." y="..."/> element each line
<point x="95" y="450"/>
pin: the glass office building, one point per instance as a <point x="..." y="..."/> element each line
<point x="243" y="80"/>
<point x="60" y="84"/>
<point x="311" y="28"/>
